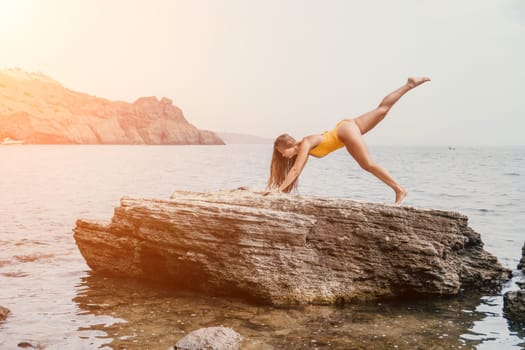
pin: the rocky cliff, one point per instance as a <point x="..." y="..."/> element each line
<point x="286" y="249"/>
<point x="39" y="110"/>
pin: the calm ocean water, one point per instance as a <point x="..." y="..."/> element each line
<point x="57" y="303"/>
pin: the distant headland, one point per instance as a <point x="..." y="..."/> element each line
<point x="39" y="110"/>
<point x="236" y="138"/>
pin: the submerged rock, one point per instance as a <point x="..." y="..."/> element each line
<point x="3" y="313"/>
<point x="286" y="249"/>
<point x="210" y="338"/>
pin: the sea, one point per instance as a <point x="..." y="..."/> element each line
<point x="57" y="302"/>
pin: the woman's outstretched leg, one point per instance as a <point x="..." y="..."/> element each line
<point x="369" y="120"/>
<point x="350" y="135"/>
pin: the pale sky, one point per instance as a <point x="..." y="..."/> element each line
<point x="265" y="67"/>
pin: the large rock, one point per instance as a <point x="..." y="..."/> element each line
<point x="210" y="338"/>
<point x="39" y="110"/>
<point x="285" y="249"/>
<point x="3" y="313"/>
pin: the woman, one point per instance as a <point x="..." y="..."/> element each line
<point x="289" y="156"/>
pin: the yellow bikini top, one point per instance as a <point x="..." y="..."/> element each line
<point x="329" y="144"/>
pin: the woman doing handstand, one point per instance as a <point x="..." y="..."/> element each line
<point x="289" y="156"/>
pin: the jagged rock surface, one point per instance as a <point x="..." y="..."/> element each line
<point x="39" y="110"/>
<point x="286" y="249"/>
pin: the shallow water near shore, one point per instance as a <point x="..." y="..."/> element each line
<point x="56" y="302"/>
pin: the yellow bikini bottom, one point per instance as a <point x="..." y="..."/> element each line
<point x="329" y="144"/>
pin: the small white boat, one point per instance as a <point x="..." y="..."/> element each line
<point x="8" y="142"/>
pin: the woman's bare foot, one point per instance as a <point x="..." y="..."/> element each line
<point x="400" y="195"/>
<point x="413" y="82"/>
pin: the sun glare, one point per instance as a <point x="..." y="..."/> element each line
<point x="7" y="8"/>
<point x="5" y="5"/>
<point x="13" y="17"/>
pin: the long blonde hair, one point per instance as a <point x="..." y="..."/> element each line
<point x="280" y="165"/>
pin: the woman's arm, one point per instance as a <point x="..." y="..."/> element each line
<point x="300" y="161"/>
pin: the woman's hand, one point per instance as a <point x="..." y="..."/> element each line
<point x="298" y="166"/>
